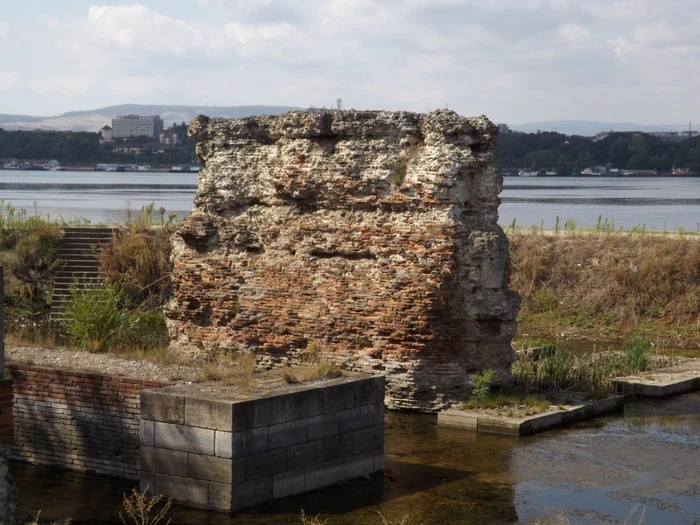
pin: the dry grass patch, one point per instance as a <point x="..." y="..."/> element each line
<point x="312" y="367"/>
<point x="232" y="369"/>
<point x="315" y="372"/>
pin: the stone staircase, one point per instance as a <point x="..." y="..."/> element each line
<point x="79" y="264"/>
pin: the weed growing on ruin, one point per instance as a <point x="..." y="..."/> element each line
<point x="142" y="508"/>
<point x="482" y="384"/>
<point x="313" y="367"/>
<point x="236" y="368"/>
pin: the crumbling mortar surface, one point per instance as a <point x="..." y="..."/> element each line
<point x="330" y="228"/>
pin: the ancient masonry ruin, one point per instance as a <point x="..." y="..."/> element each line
<point x="368" y="237"/>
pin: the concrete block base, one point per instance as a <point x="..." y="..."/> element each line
<point x="204" y="450"/>
<point x="522" y="426"/>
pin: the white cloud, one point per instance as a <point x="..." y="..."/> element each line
<point x="9" y="80"/>
<point x="516" y="60"/>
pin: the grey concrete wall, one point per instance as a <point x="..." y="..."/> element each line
<point x="228" y="455"/>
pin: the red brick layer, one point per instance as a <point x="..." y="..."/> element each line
<point x="77" y="420"/>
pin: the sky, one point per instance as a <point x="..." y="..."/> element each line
<point x="514" y="60"/>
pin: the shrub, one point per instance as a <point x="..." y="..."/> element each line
<point x="96" y="319"/>
<point x="482" y="385"/>
<point x="93" y="316"/>
<point x="141" y="508"/>
<point x="139" y="261"/>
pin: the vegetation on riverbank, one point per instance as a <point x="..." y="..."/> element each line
<point x="600" y="284"/>
<point x="564" y="154"/>
<point x="608" y="286"/>
<point x="122" y="314"/>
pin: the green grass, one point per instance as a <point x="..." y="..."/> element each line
<point x="564" y="370"/>
<point x="532" y="404"/>
<point x="97" y="320"/>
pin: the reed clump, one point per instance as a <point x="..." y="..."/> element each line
<point x="589" y="372"/>
<point x="138" y="259"/>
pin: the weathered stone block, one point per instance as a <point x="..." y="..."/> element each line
<point x="368" y="439"/>
<point x="323" y="426"/>
<point x="252" y="492"/>
<point x="370" y="391"/>
<point x="184" y="490"/>
<point x="288" y="483"/>
<point x="220" y="496"/>
<point x="308" y="403"/>
<point x="239" y="469"/>
<point x="338" y="397"/>
<point x="379" y="228"/>
<point x="273" y="410"/>
<point x="286" y="434"/>
<point x="209" y="468"/>
<point x="222" y="444"/>
<point x="187" y="439"/>
<point x="336" y="447"/>
<point x="146" y="430"/>
<point x="266" y="464"/>
<point x="207" y="413"/>
<point x="360" y="417"/>
<point x="343" y="469"/>
<point x="242" y="417"/>
<point x="249" y="442"/>
<point x="160" y="405"/>
<point x="300" y="456"/>
<point x="147" y="480"/>
<point x="164" y="461"/>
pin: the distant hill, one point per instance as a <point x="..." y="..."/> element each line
<point x="589" y="128"/>
<point x="93" y="120"/>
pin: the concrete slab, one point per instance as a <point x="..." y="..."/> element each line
<point x="666" y="382"/>
<point x="481" y="421"/>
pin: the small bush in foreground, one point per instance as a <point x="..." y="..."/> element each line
<point x="96" y="319"/>
<point x="482" y="385"/>
<point x="140" y="508"/>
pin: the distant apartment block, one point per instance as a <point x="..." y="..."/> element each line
<point x="136" y="126"/>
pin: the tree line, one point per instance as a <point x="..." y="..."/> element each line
<point x="566" y="154"/>
<point x="84" y="149"/>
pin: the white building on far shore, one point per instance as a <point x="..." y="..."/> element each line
<point x="136" y="126"/>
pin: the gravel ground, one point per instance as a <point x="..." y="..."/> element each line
<point x="103" y="364"/>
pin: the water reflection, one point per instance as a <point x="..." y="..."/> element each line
<point x="594" y="472"/>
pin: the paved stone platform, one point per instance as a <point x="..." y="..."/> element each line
<point x="666" y="382"/>
<point x="522" y="426"/>
<point x="201" y="446"/>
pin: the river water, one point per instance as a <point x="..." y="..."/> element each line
<point x="646" y="460"/>
<point x="596" y="472"/>
<point x="657" y="203"/>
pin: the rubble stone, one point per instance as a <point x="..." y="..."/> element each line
<point x="370" y="237"/>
